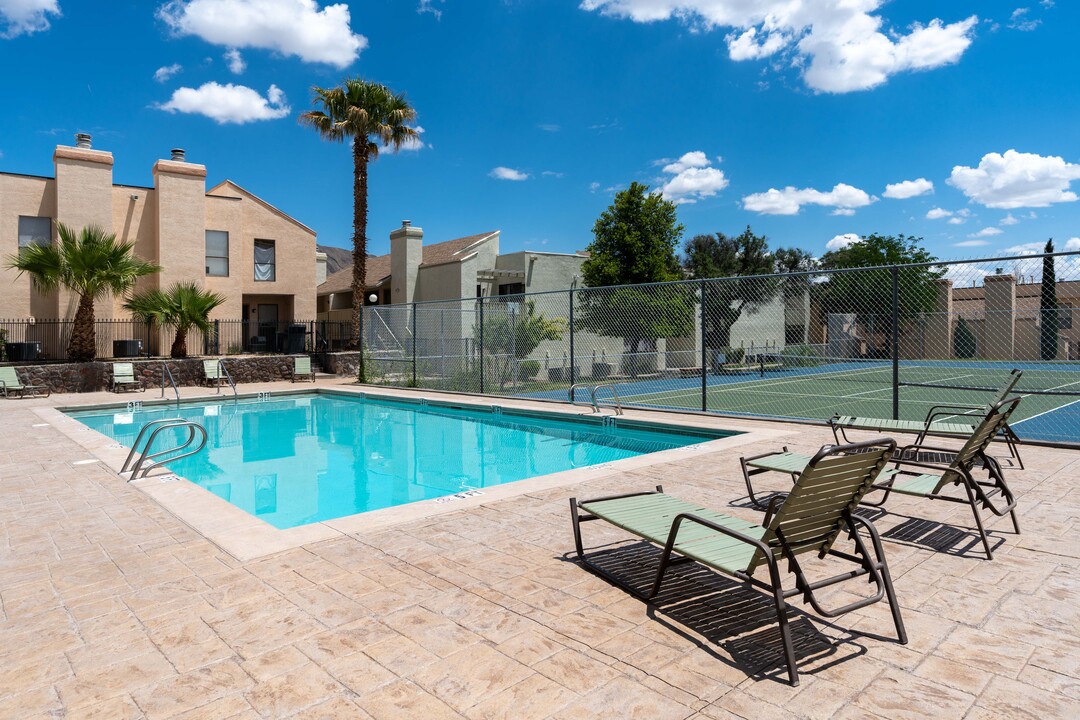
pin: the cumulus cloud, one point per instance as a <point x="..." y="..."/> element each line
<point x="987" y="232"/>
<point x="938" y="213"/>
<point x="228" y="103"/>
<point x="1016" y="180"/>
<point x="416" y="142"/>
<point x="1009" y="220"/>
<point x="908" y="189"/>
<point x="790" y="200"/>
<point x="23" y="17"/>
<point x="235" y="61"/>
<point x="1072" y="244"/>
<point x="1020" y="20"/>
<point x="291" y="27"/>
<point x="840" y="242"/>
<point x="505" y="173"/>
<point x="692" y="178"/>
<point x="429" y="7"/>
<point x="162" y="74"/>
<point x="843" y="212"/>
<point x="594" y="186"/>
<point x="972" y="243"/>
<point x="841" y="45"/>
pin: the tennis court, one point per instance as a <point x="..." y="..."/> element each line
<point x="1050" y="409"/>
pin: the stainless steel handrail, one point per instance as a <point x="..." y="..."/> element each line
<point x="614" y="396"/>
<point x="172" y="381"/>
<point x="148" y="461"/>
<point x="222" y="370"/>
<point x="575" y="386"/>
<point x="139" y="437"/>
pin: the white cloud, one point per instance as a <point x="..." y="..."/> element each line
<point x="1016" y="180"/>
<point x="938" y="213"/>
<point x="972" y="243"/>
<point x="553" y="174"/>
<point x="693" y="179"/>
<point x="23" y="17"/>
<point x="429" y="7"/>
<point x="505" y="173"/>
<point x="290" y="27"/>
<point x="908" y="189"/>
<point x="1019" y="20"/>
<point x="789" y="200"/>
<point x="843" y="212"/>
<point x="960" y="217"/>
<point x="987" y="232"/>
<point x="594" y="186"/>
<point x="1072" y="244"/>
<point x="235" y="61"/>
<point x="162" y="74"/>
<point x="549" y="127"/>
<point x="228" y="103"/>
<point x="842" y="241"/>
<point x="417" y="142"/>
<point x="1009" y="220"/>
<point x="840" y="45"/>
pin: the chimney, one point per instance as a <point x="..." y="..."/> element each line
<point x="178" y="154"/>
<point x="406" y="254"/>
<point x="82" y="140"/>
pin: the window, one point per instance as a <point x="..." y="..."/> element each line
<point x="512" y="289"/>
<point x="217" y="253"/>
<point x="1065" y="317"/>
<point x="386" y="296"/>
<point x="34" y="231"/>
<point x="265" y="260"/>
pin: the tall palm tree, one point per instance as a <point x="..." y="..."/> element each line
<point x="184" y="306"/>
<point x="91" y="263"/>
<point x="373" y="116"/>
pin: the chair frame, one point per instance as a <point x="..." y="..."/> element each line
<point x="773" y="552"/>
<point x="133" y="384"/>
<point x="217" y="378"/>
<point x="21" y="389"/>
<point x="310" y="372"/>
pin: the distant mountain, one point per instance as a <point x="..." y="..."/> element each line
<point x="336" y="258"/>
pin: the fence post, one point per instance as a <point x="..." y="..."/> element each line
<point x="572" y="358"/>
<point x="895" y="342"/>
<point x="704" y="354"/>
<point x="217" y="337"/>
<point x="414" y="344"/>
<point x="480" y="301"/>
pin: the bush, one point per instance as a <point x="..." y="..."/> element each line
<point x="528" y="369"/>
<point x="801" y="356"/>
<point x="963" y="340"/>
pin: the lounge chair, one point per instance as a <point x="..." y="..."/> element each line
<point x="302" y="369"/>
<point x="10" y="383"/>
<point x="941" y="420"/>
<point x="212" y="374"/>
<point x="123" y="377"/>
<point x="912" y="475"/>
<point x="811" y="518"/>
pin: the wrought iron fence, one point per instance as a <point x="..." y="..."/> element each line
<point x="887" y="342"/>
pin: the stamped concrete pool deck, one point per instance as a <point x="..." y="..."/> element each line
<point x="112" y="606"/>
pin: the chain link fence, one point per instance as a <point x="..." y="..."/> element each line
<point x="888" y="342"/>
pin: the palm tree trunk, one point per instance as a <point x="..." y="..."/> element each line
<point x="179" y="345"/>
<point x="360" y="182"/>
<point x="83" y="344"/>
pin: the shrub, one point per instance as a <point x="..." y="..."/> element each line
<point x="528" y="369"/>
<point x="963" y="340"/>
<point x="801" y="356"/>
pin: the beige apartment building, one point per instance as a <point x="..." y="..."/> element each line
<point x="225" y="238"/>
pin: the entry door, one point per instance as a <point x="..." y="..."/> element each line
<point x="268" y="314"/>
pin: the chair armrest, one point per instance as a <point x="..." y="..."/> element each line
<point x="942" y="409"/>
<point x="657" y="491"/>
<point x="774" y="504"/>
<point x="750" y="458"/>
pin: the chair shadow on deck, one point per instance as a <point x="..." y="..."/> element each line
<point x="698" y="603"/>
<point x="936" y="536"/>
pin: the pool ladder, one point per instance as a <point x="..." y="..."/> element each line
<point x="147" y="461"/>
<point x="593" y="390"/>
<point x="223" y="371"/>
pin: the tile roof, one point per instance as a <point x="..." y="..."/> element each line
<point x="378" y="267"/>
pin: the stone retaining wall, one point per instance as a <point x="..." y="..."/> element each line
<point x="342" y="364"/>
<point x="92" y="376"/>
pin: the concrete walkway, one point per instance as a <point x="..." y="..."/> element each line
<point x="114" y="608"/>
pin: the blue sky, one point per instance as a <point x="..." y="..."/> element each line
<point x="535" y="112"/>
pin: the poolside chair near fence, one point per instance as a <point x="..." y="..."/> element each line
<point x="212" y="374"/>
<point x="912" y="475"/>
<point x="302" y="369"/>
<point x="10" y="384"/>
<point x="810" y="518"/>
<point x="123" y="378"/>
<point x="941" y="420"/>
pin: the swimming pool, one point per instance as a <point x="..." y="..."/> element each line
<point x="292" y="460"/>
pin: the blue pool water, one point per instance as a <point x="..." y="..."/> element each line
<point x="298" y="459"/>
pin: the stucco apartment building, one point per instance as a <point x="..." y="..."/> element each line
<point x="225" y="238"/>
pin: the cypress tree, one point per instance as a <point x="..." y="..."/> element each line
<point x="1048" y="307"/>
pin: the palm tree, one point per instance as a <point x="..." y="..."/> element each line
<point x="184" y="306"/>
<point x="371" y="115"/>
<point x="91" y="263"/>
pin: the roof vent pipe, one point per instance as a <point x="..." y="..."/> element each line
<point x="406" y="223"/>
<point x="178" y="154"/>
<point x="82" y="140"/>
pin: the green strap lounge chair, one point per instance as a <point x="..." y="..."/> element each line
<point x="123" y="378"/>
<point x="811" y="518"/>
<point x="910" y="475"/>
<point x="941" y="420"/>
<point x="10" y="383"/>
<point x="212" y="374"/>
<point x="302" y="369"/>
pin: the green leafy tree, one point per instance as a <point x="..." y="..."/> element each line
<point x="964" y="345"/>
<point x="371" y="116"/>
<point x="512" y="331"/>
<point x="91" y="263"/>
<point x="635" y="240"/>
<point x="868" y="294"/>
<point x="184" y="307"/>
<point x="1048" y="306"/>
